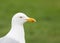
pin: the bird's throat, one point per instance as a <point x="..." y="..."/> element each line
<point x="17" y="33"/>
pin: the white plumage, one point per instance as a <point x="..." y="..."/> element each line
<point x="16" y="34"/>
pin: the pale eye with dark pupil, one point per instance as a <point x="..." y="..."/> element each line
<point x="21" y="17"/>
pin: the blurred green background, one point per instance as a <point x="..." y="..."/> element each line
<point x="46" y="12"/>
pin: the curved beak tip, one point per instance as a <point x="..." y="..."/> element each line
<point x="31" y="20"/>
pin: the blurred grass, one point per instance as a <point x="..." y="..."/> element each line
<point x="46" y="12"/>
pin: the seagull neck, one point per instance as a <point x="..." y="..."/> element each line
<point x="16" y="25"/>
<point x="17" y="33"/>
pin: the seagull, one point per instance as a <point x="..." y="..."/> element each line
<point x="16" y="33"/>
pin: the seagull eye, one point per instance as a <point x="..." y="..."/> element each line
<point x="21" y="17"/>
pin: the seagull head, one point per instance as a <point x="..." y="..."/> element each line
<point x="21" y="18"/>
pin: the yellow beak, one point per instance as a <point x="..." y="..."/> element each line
<point x="31" y="20"/>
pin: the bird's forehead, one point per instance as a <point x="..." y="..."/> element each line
<point x="21" y="14"/>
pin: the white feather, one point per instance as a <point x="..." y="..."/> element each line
<point x="16" y="34"/>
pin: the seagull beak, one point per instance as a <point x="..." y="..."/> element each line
<point x="31" y="20"/>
